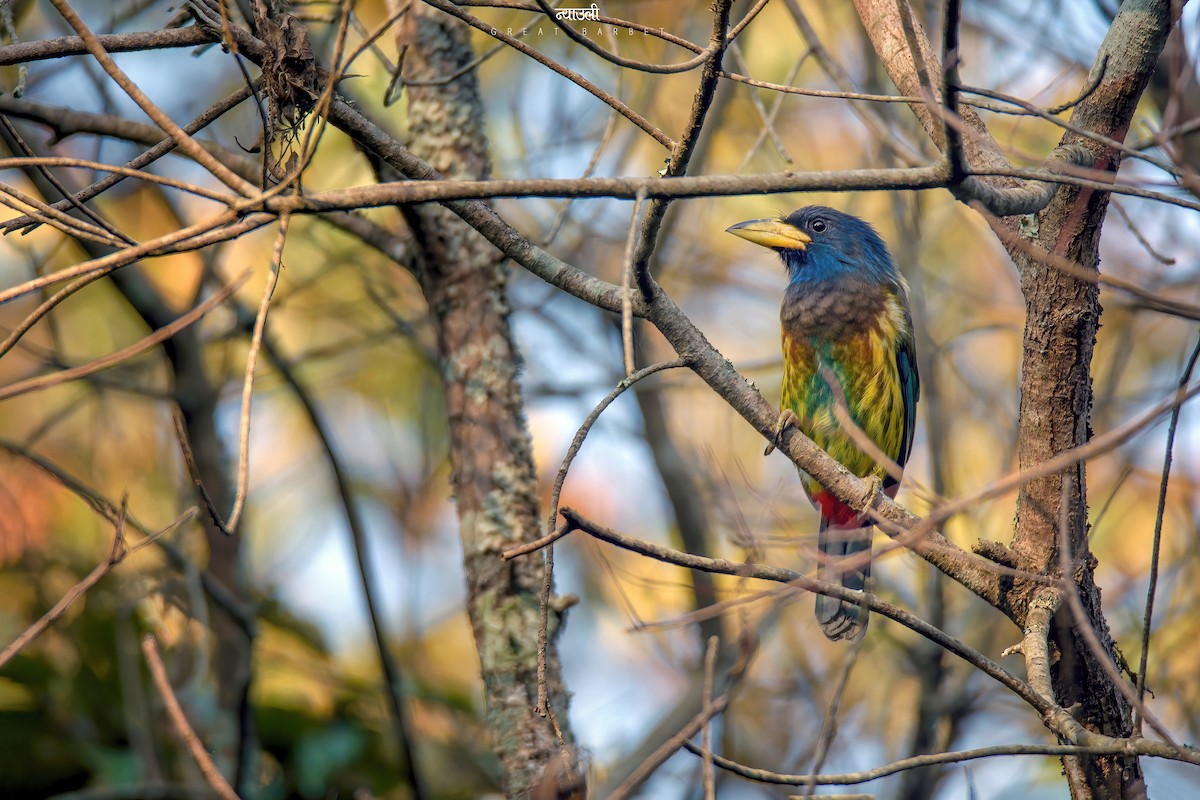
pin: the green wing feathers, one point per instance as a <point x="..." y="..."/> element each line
<point x="877" y="371"/>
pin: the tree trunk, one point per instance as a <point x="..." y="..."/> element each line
<point x="1062" y="318"/>
<point x="494" y="477"/>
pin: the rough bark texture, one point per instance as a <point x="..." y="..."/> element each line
<point x="494" y="477"/>
<point x="881" y="18"/>
<point x="1062" y="318"/>
<point x="1056" y="391"/>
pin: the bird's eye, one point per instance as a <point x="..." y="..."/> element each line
<point x="819" y="225"/>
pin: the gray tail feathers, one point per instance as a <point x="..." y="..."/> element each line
<point x="842" y="619"/>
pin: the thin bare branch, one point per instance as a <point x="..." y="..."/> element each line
<point x="121" y="258"/>
<point x="1160" y="512"/>
<point x="627" y="287"/>
<point x="47" y="49"/>
<point x="117" y="553"/>
<point x="1117" y="747"/>
<point x="786" y="576"/>
<point x="104" y="362"/>
<point x="710" y="666"/>
<point x="615" y="103"/>
<point x="581" y="434"/>
<point x="179" y="723"/>
<point x="218" y="591"/>
<point x="1083" y="623"/>
<point x="182" y="140"/>
<point x="669" y="748"/>
<point x="260" y="324"/>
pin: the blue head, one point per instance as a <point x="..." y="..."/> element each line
<point x="818" y="244"/>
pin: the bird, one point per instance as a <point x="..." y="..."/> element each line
<point x="847" y="336"/>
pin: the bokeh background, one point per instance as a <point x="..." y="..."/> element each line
<point x="354" y="326"/>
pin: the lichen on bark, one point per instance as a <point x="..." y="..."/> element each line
<point x="494" y="476"/>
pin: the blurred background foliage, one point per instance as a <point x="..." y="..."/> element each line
<point x="77" y="717"/>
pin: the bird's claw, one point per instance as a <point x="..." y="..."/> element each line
<point x="786" y="417"/>
<point x="874" y="487"/>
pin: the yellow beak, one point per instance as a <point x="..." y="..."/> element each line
<point x="772" y="233"/>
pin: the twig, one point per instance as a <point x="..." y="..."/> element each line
<point x="626" y="286"/>
<point x="768" y="116"/>
<point x="881" y="128"/>
<point x="65" y="122"/>
<point x="950" y="90"/>
<point x="260" y="324"/>
<point x="780" y="575"/>
<point x="926" y="86"/>
<point x="183" y="730"/>
<point x="581" y="435"/>
<point x="1165" y="260"/>
<point x="44" y="308"/>
<point x="48" y="49"/>
<point x="1093" y="83"/>
<point x="624" y="110"/>
<point x="20" y="202"/>
<point x="547" y="541"/>
<point x="1116" y="747"/>
<point x="647" y="30"/>
<point x="1024" y="199"/>
<point x="1153" y="301"/>
<point x="45" y="114"/>
<point x="610" y="128"/>
<point x="432" y="187"/>
<point x="668" y="748"/>
<point x="189" y="462"/>
<point x="628" y="63"/>
<point x="117" y="553"/>
<point x="218" y="591"/>
<point x="710" y="665"/>
<point x="737" y="29"/>
<point x="681" y="151"/>
<point x="98" y="166"/>
<point x="544" y="707"/>
<point x="8" y="29"/>
<point x="126" y="353"/>
<point x="830" y="723"/>
<point x="102" y="266"/>
<point x="393" y="679"/>
<point x="1148" y="616"/>
<point x="17" y="144"/>
<point x="827" y="93"/>
<point x="708" y="612"/>
<point x="537" y="544"/>
<point x="1048" y="115"/>
<point x="1084" y="625"/>
<point x="185" y="142"/>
